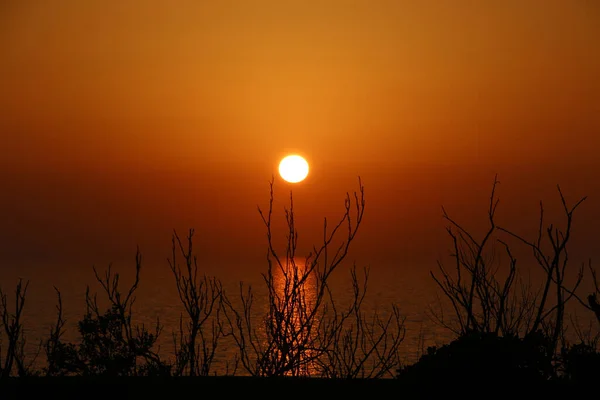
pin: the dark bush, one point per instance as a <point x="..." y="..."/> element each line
<point x="105" y="350"/>
<point x="581" y="363"/>
<point x="484" y="357"/>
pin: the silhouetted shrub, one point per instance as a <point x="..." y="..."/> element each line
<point x="110" y="345"/>
<point x="105" y="350"/>
<point x="484" y="357"/>
<point x="581" y="363"/>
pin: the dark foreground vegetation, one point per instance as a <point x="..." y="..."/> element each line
<point x="507" y="329"/>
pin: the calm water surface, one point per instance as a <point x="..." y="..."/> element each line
<point x="410" y="288"/>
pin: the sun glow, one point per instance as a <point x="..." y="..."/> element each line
<point x="293" y="168"/>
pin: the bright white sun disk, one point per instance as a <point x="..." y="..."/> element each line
<point x="293" y="168"/>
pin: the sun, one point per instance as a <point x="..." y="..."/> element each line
<point x="293" y="168"/>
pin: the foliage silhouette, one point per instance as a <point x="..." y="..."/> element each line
<point x="506" y="328"/>
<point x="110" y="344"/>
<point x="484" y="357"/>
<point x="581" y="363"/>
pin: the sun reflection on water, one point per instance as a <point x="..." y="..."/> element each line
<point x="293" y="317"/>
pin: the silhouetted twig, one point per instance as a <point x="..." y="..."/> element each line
<point x="304" y="331"/>
<point x="201" y="297"/>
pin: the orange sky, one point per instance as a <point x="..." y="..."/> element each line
<point x="122" y="120"/>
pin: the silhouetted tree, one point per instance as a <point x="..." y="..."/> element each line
<point x="110" y="344"/>
<point x="484" y="302"/>
<point x="202" y="299"/>
<point x="484" y="298"/>
<point x="12" y="328"/>
<point x="305" y="332"/>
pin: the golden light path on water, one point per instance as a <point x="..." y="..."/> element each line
<point x="294" y="316"/>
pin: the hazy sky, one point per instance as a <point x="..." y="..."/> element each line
<point x="121" y="120"/>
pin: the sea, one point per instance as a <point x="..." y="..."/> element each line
<point x="410" y="288"/>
